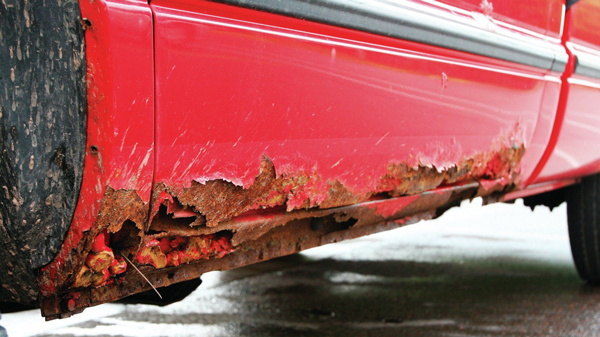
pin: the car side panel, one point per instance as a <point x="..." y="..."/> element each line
<point x="239" y="87"/>
<point x="577" y="151"/>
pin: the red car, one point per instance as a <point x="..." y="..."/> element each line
<point x="143" y="143"/>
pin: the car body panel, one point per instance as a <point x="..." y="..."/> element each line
<point x="319" y="100"/>
<point x="222" y="133"/>
<point x="576" y="152"/>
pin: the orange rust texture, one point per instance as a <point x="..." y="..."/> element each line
<point x="117" y="207"/>
<point x="206" y="209"/>
<point x="404" y="180"/>
<point x="253" y="226"/>
<point x="266" y="235"/>
<point x="219" y="200"/>
<point x="173" y="251"/>
<point x="285" y="240"/>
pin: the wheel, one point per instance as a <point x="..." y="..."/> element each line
<point x="2" y="330"/>
<point x="583" y="213"/>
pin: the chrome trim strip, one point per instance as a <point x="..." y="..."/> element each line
<point x="587" y="64"/>
<point x="409" y="22"/>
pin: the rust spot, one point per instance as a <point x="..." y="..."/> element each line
<point x="119" y="206"/>
<point x="297" y="235"/>
<point x="255" y="224"/>
<point x="85" y="23"/>
<point x="252" y="237"/>
<point x="94" y="150"/>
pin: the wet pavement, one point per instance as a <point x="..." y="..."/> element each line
<point x="498" y="270"/>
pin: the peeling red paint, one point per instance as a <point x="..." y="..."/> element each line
<point x="258" y="236"/>
<point x="173" y="243"/>
<point x="217" y="200"/>
<point x="100" y="264"/>
<point x="100" y="261"/>
<point x="117" y="207"/>
<point x="118" y="266"/>
<point x="187" y="224"/>
<point x="101" y="242"/>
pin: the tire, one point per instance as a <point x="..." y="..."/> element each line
<point x="583" y="213"/>
<point x="3" y="332"/>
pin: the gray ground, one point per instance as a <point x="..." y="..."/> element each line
<point x="499" y="270"/>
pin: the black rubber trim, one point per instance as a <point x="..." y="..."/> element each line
<point x="587" y="65"/>
<point x="400" y="21"/>
<point x="571" y="3"/>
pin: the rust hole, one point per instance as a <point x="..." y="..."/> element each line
<point x="126" y="240"/>
<point x="86" y="23"/>
<point x="94" y="149"/>
<point x="349" y="223"/>
<point x="174" y="250"/>
<point x="317" y="224"/>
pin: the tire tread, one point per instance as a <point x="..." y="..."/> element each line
<point x="584" y="227"/>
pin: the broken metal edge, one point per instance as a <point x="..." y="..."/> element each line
<point x="117" y="208"/>
<point x="421" y="24"/>
<point x="221" y="202"/>
<point x="297" y="233"/>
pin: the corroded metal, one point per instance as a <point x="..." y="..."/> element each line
<point x="257" y="237"/>
<point x="219" y="200"/>
<point x="118" y="208"/>
<point x="218" y="225"/>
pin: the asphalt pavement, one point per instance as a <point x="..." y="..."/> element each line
<point x="498" y="270"/>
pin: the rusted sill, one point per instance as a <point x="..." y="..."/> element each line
<point x="218" y="201"/>
<point x="255" y="224"/>
<point x="219" y="206"/>
<point x="297" y="231"/>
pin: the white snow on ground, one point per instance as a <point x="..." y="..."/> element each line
<point x="31" y="322"/>
<point x="114" y="326"/>
<point x="470" y="232"/>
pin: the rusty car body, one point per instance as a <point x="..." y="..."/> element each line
<point x="177" y="137"/>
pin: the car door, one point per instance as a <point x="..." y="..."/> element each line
<point x="327" y="103"/>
